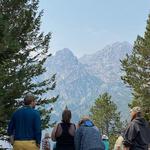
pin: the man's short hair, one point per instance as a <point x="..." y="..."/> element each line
<point x="29" y="99"/>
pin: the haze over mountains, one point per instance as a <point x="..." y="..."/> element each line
<point x="81" y="80"/>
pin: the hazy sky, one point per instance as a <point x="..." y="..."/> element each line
<point x="86" y="26"/>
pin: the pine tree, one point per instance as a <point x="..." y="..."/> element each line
<point x="106" y="117"/>
<point x="23" y="52"/>
<point x="8" y="42"/>
<point x="137" y="71"/>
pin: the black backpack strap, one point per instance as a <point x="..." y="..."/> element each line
<point x="74" y="126"/>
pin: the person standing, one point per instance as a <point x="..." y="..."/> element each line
<point x="46" y="142"/>
<point x="119" y="143"/>
<point x="87" y="136"/>
<point x="64" y="132"/>
<point x="137" y="135"/>
<point x="25" y="126"/>
<point x="105" y="141"/>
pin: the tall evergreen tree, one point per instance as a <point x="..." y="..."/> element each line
<point x="106" y="117"/>
<point x="137" y="71"/>
<point x="8" y="42"/>
<point x="23" y="52"/>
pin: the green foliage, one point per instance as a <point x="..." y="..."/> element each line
<point x="23" y="52"/>
<point x="8" y="42"/>
<point x="112" y="140"/>
<point x="137" y="71"/>
<point x="106" y="117"/>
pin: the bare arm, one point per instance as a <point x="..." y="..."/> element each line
<point x="54" y="133"/>
<point x="72" y="129"/>
<point x="57" y="131"/>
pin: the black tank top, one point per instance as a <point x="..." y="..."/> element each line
<point x="65" y="141"/>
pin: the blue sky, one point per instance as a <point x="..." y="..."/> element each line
<point x="86" y="26"/>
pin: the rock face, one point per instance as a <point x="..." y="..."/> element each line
<point x="105" y="64"/>
<point x="80" y="81"/>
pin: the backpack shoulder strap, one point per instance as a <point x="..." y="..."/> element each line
<point x="74" y="126"/>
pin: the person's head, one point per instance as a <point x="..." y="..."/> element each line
<point x="134" y="112"/>
<point x="29" y="100"/>
<point x="83" y="119"/>
<point x="46" y="135"/>
<point x="104" y="137"/>
<point x="66" y="116"/>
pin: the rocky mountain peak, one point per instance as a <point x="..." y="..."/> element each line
<point x="105" y="64"/>
<point x="80" y="81"/>
<point x="119" y="48"/>
<point x="65" y="52"/>
<point x="65" y="57"/>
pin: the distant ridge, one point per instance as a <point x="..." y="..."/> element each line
<point x="80" y="81"/>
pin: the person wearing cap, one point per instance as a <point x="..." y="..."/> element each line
<point x="88" y="136"/>
<point x="46" y="142"/>
<point x="25" y="126"/>
<point x="137" y="135"/>
<point x="105" y="141"/>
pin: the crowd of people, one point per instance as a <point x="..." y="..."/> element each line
<point x="25" y="132"/>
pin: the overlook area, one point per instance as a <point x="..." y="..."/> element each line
<point x="74" y="75"/>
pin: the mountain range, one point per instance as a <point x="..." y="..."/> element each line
<point x="81" y="80"/>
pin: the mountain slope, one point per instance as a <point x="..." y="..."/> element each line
<point x="105" y="64"/>
<point x="75" y="86"/>
<point x="80" y="81"/>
